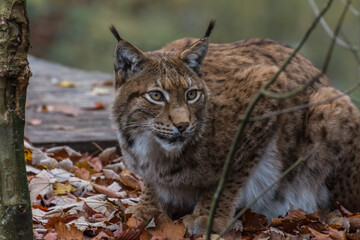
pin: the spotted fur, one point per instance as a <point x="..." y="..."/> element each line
<point x="178" y="145"/>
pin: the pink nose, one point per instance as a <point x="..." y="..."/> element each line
<point x="182" y="126"/>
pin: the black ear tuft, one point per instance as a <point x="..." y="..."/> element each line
<point x="210" y="28"/>
<point x="115" y="32"/>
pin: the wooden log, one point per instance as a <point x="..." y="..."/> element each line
<point x="61" y="111"/>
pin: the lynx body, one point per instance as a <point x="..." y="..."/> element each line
<point x="177" y="110"/>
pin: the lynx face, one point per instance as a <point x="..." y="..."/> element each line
<point x="159" y="98"/>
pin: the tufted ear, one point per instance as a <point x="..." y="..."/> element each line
<point x="195" y="54"/>
<point x="128" y="59"/>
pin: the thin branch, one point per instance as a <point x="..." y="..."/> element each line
<point x="265" y="190"/>
<point x="323" y="69"/>
<point x="328" y="29"/>
<point x="304" y="106"/>
<point x="352" y="9"/>
<point x="240" y="130"/>
<point x="291" y="93"/>
<point x="352" y="49"/>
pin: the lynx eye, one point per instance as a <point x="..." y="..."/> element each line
<point x="192" y="95"/>
<point x="156" y="96"/>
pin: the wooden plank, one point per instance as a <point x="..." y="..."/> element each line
<point x="57" y="128"/>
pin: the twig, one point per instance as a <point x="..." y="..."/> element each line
<point x="323" y="69"/>
<point x="291" y="93"/>
<point x="265" y="190"/>
<point x="304" y="106"/>
<point x="239" y="132"/>
<point x="328" y="29"/>
<point x="352" y="9"/>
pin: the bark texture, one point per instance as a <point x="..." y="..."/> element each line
<point x="15" y="208"/>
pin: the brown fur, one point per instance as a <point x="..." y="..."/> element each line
<point x="181" y="171"/>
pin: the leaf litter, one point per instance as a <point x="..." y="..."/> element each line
<point x="79" y="196"/>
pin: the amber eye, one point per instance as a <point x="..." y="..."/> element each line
<point x="191" y="95"/>
<point x="156" y="96"/>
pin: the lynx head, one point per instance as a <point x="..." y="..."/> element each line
<point x="160" y="97"/>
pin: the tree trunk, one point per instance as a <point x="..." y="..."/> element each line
<point x="15" y="208"/>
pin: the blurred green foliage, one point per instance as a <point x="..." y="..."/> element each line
<point x="75" y="32"/>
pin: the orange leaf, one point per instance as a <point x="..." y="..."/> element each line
<point x="65" y="234"/>
<point x="164" y="225"/>
<point x="83" y="174"/>
<point x="128" y="180"/>
<point x="104" y="190"/>
<point x="319" y="235"/>
<point x="133" y="222"/>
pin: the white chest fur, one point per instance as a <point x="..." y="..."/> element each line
<point x="297" y="193"/>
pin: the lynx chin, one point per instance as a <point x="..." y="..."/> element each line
<point x="176" y="111"/>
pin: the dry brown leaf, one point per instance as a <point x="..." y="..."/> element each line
<point x="343" y="210"/>
<point x="41" y="184"/>
<point x="89" y="211"/>
<point x="35" y="122"/>
<point x="319" y="235"/>
<point x="145" y="235"/>
<point x="129" y="180"/>
<point x="110" y="174"/>
<point x="96" y="106"/>
<point x="63" y="152"/>
<point x="253" y="222"/>
<point x="354" y="223"/>
<point x="104" y="190"/>
<point x="107" y="155"/>
<point x="51" y="236"/>
<point x="296" y="215"/>
<point x="83" y="174"/>
<point x="96" y="164"/>
<point x="67" y="234"/>
<point x="101" y="236"/>
<point x="133" y="222"/>
<point x="129" y="234"/>
<point x="164" y="225"/>
<point x="336" y="234"/>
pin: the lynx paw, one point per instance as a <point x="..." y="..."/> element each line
<point x="196" y="224"/>
<point x="141" y="211"/>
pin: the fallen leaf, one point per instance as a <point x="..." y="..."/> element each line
<point x="35" y="122"/>
<point x="133" y="222"/>
<point x="96" y="106"/>
<point x="129" y="180"/>
<point x="63" y="152"/>
<point x="336" y="234"/>
<point x="104" y="190"/>
<point x="61" y="189"/>
<point x="100" y="91"/>
<point x="82" y="173"/>
<point x="319" y="235"/>
<point x="41" y="184"/>
<point x="61" y="175"/>
<point x="65" y="84"/>
<point x="51" y="236"/>
<point x="96" y="164"/>
<point x="68" y="234"/>
<point x="110" y="174"/>
<point x="101" y="236"/>
<point x="253" y="222"/>
<point x="164" y="225"/>
<point x="107" y="155"/>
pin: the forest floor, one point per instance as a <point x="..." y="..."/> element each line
<point x="84" y="196"/>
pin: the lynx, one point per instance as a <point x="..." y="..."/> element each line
<point x="177" y="109"/>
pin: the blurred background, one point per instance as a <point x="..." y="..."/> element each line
<point x="75" y="32"/>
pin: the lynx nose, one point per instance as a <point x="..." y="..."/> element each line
<point x="182" y="126"/>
